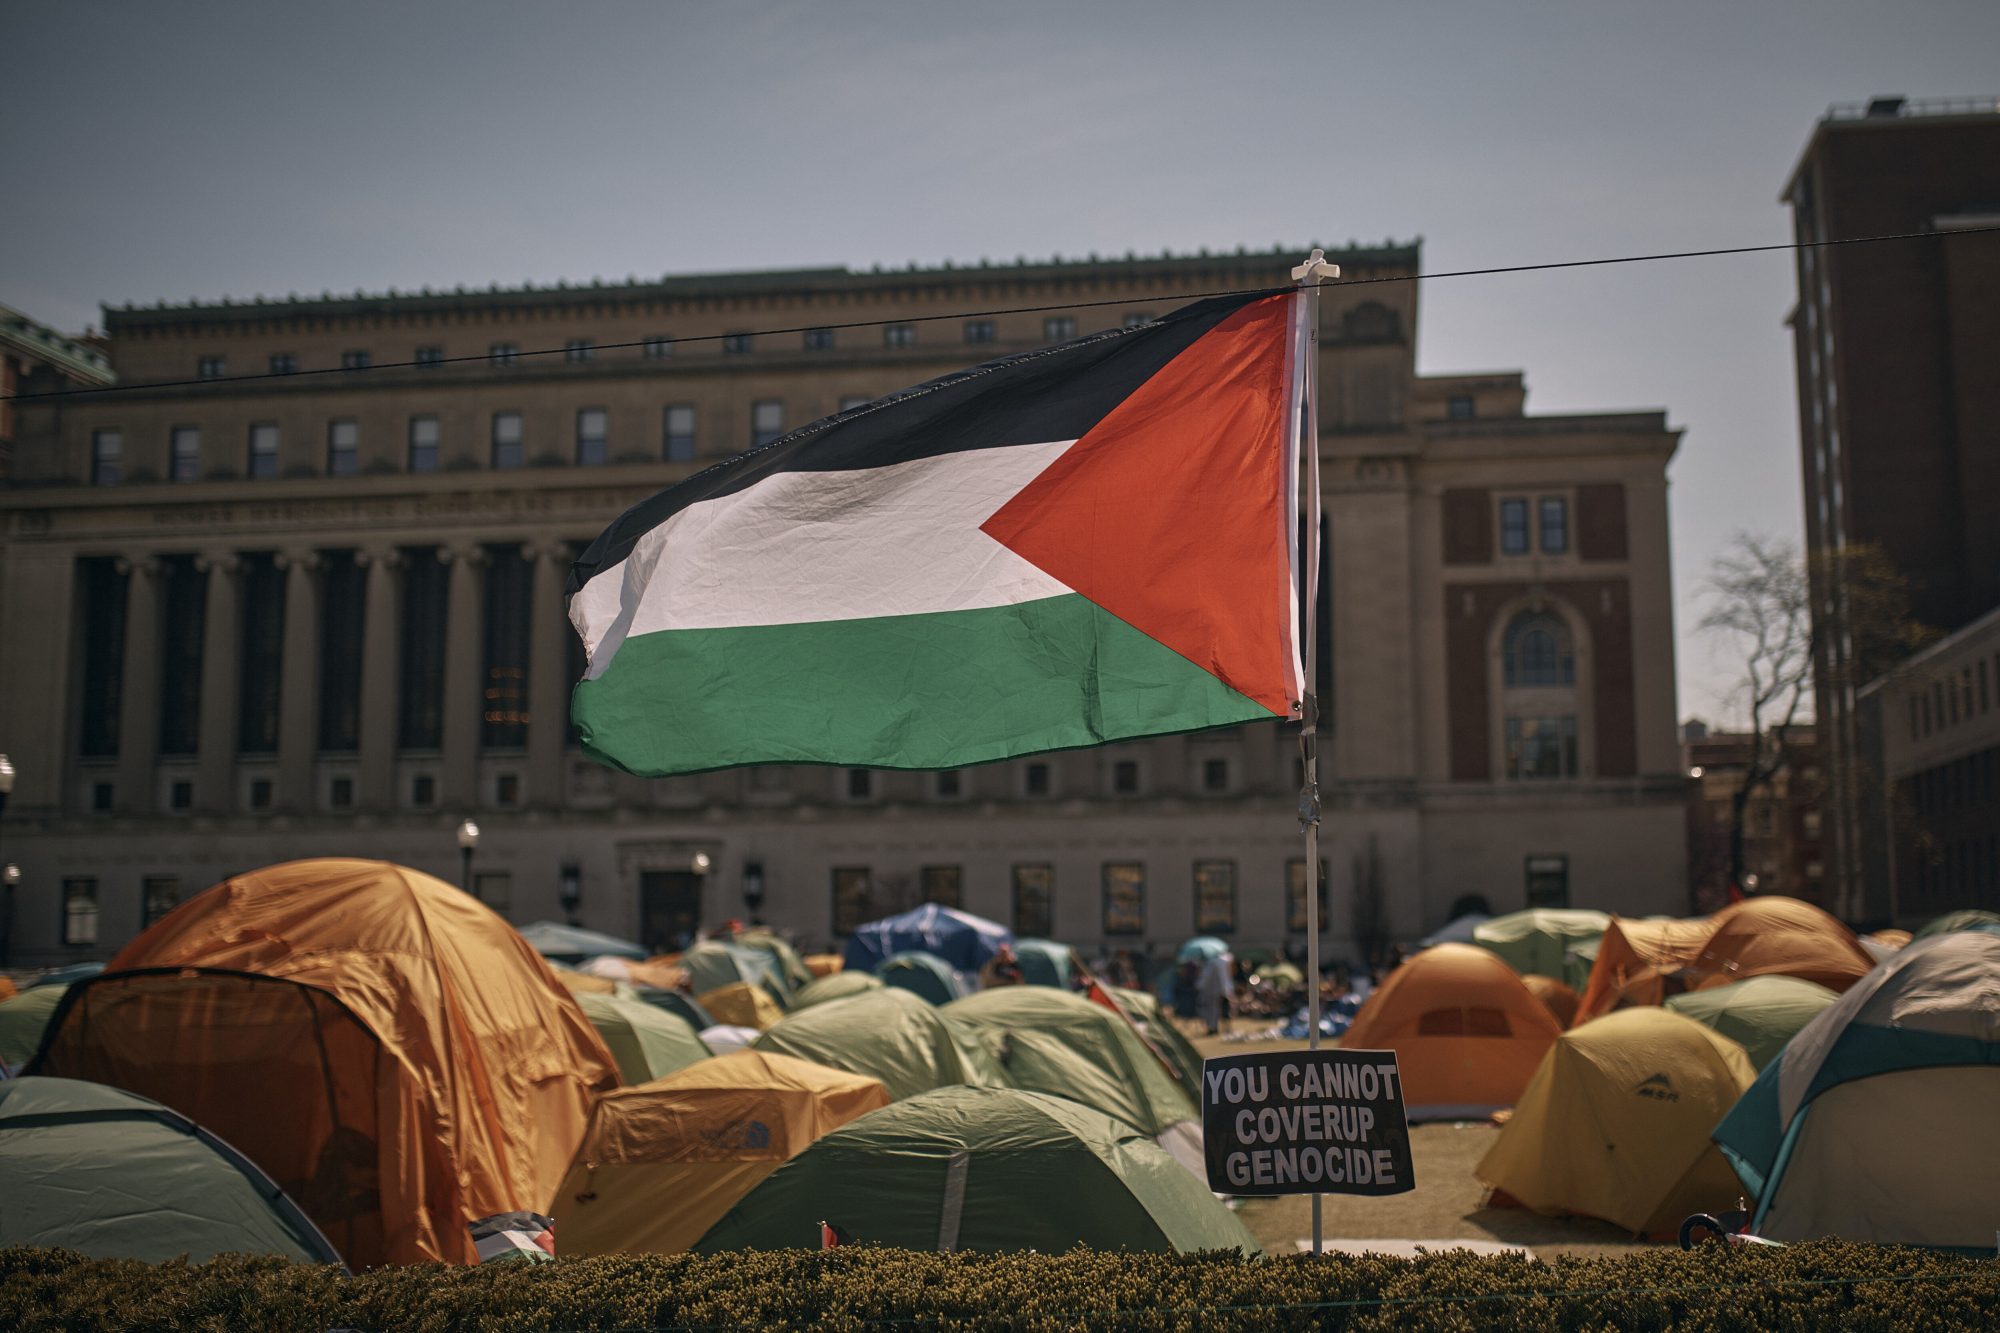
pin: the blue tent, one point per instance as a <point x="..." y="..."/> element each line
<point x="1045" y="963"/>
<point x="924" y="974"/>
<point x="962" y="940"/>
<point x="572" y="944"/>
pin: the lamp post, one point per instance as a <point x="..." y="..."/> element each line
<point x="468" y="839"/>
<point x="13" y="873"/>
<point x="569" y="887"/>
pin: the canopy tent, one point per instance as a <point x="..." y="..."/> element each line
<point x="1467" y="1034"/>
<point x="115" y="1176"/>
<point x="1970" y="918"/>
<point x="1615" y="1123"/>
<point x="383" y="1045"/>
<point x="923" y="974"/>
<point x="1557" y="998"/>
<point x="1156" y="1026"/>
<point x="1537" y="942"/>
<point x="742" y="1004"/>
<point x="1200" y="949"/>
<point x="887" y="1034"/>
<point x="1760" y="1014"/>
<point x="837" y="986"/>
<point x="1643" y="962"/>
<point x="573" y="944"/>
<point x="1046" y="963"/>
<point x="1458" y="930"/>
<point x="1876" y="1121"/>
<point x="791" y="969"/>
<point x="713" y="964"/>
<point x="647" y="1043"/>
<point x="724" y="1038"/>
<point x="963" y="940"/>
<point x="23" y="1020"/>
<point x="702" y="1139"/>
<point x="983" y="1169"/>
<point x="1056" y="1042"/>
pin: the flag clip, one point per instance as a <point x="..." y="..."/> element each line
<point x="1316" y="269"/>
<point x="1309" y="806"/>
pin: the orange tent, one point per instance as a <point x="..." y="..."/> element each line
<point x="7" y="988"/>
<point x="1644" y="962"/>
<point x="1467" y="1034"/>
<point x="385" y="1047"/>
<point x="824" y="964"/>
<point x="1560" y="1000"/>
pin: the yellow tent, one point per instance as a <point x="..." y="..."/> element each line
<point x="384" y="1046"/>
<point x="741" y="1004"/>
<point x="662" y="1162"/>
<point x="1615" y="1123"/>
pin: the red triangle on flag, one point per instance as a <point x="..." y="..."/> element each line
<point x="1170" y="513"/>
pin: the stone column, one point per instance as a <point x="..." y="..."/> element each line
<point x="381" y="663"/>
<point x="464" y="675"/>
<point x="139" y="701"/>
<point x="221" y="667"/>
<point x="548" y="686"/>
<point x="298" y="707"/>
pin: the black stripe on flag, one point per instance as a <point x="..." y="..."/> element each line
<point x="1051" y="393"/>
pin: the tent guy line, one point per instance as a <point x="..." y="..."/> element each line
<point x="1013" y="310"/>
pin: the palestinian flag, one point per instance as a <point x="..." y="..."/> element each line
<point x="1079" y="544"/>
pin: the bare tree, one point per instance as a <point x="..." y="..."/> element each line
<point x="1760" y="602"/>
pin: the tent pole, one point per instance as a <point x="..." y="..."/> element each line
<point x="1309" y="276"/>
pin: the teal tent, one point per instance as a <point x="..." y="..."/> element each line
<point x="116" y="1176"/>
<point x="1045" y="963"/>
<point x="888" y="1034"/>
<point x="713" y="964"/>
<point x="791" y="969"/>
<point x="836" y="986"/>
<point x="925" y="974"/>
<point x="573" y="944"/>
<point x="647" y="1043"/>
<point x="1537" y="942"/>
<point x="983" y="1169"/>
<point x="23" y="1018"/>
<point x="1760" y="1014"/>
<point x="1970" y="918"/>
<point x="1200" y="949"/>
<point x="1156" y="1025"/>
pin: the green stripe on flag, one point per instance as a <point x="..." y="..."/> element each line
<point x="924" y="691"/>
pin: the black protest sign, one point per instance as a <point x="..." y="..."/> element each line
<point x="1306" y="1122"/>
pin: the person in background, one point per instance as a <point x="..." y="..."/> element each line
<point x="1214" y="989"/>
<point x="1002" y="969"/>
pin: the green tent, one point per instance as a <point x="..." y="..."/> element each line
<point x="791" y="968"/>
<point x="984" y="1169"/>
<point x="1760" y="1014"/>
<point x="922" y="973"/>
<point x="1537" y="942"/>
<point x="1062" y="1044"/>
<point x="1045" y="963"/>
<point x="1970" y="918"/>
<point x="116" y="1176"/>
<point x="711" y="965"/>
<point x="22" y="1019"/>
<point x="888" y="1034"/>
<point x="1578" y="959"/>
<point x="1145" y="1009"/>
<point x="837" y="986"/>
<point x="647" y="1043"/>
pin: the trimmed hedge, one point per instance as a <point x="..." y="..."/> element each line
<point x="1823" y="1285"/>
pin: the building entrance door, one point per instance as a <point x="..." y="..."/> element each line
<point x="669" y="909"/>
<point x="1548" y="881"/>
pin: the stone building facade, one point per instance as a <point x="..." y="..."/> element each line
<point x="293" y="587"/>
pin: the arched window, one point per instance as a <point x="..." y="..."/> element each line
<point x="1538" y="652"/>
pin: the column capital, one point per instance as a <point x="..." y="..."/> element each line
<point x="222" y="562"/>
<point x="553" y="549"/>
<point x="389" y="557"/>
<point x="307" y="559"/>
<point x="142" y="562"/>
<point x="470" y="554"/>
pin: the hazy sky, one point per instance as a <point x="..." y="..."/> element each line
<point x="159" y="151"/>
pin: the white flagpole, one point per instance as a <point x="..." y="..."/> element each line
<point x="1309" y="276"/>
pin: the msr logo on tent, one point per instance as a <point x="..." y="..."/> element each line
<point x="1659" y="1087"/>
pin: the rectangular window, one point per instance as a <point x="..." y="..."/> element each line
<point x="1513" y="527"/>
<point x="1214" y="897"/>
<point x="260" y="665"/>
<point x="102" y="589"/>
<point x="658" y="347"/>
<point x="819" y="340"/>
<point x="593" y="436"/>
<point x="1124" y="898"/>
<point x="1125" y="777"/>
<point x="851" y="897"/>
<point x="507" y="789"/>
<point x="495" y="888"/>
<point x="340" y="793"/>
<point x="180" y="796"/>
<point x="1215" y="775"/>
<point x="429" y="356"/>
<point x="899" y="335"/>
<point x="354" y="360"/>
<point x="183" y="609"/>
<point x="860" y="784"/>
<point x="424" y="437"/>
<point x="343" y="448"/>
<point x="102" y="796"/>
<point x="107" y="457"/>
<point x="1555" y="525"/>
<point x="1458" y="407"/>
<point x="1548" y="881"/>
<point x="423" y="791"/>
<point x="420" y="696"/>
<point x="283" y="363"/>
<point x="1295" y="896"/>
<point x="979" y="330"/>
<point x="264" y="450"/>
<point x="943" y="885"/>
<point x="1034" y="900"/>
<point x="735" y="344"/>
<point x="678" y="446"/>
<point x="1541" y="747"/>
<point x="184" y="453"/>
<point x="158" y="895"/>
<point x="211" y="368"/>
<point x="79" y="925"/>
<point x="1058" y="328"/>
<point x="343" y="584"/>
<point x="948" y="784"/>
<point x="509" y="625"/>
<point x="577" y="350"/>
<point x="509" y="436"/>
<point x="503" y="354"/>
<point x="767" y="421"/>
<point x="1035" y="779"/>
